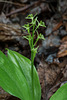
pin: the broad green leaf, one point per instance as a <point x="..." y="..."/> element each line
<point x="15" y="76"/>
<point x="12" y="80"/>
<point x="61" y="93"/>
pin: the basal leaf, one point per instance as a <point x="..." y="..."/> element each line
<point x="61" y="93"/>
<point x="12" y="80"/>
<point x="25" y="66"/>
<point x="15" y="76"/>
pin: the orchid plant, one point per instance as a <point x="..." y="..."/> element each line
<point x="18" y="75"/>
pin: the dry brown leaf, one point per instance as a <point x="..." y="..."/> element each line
<point x="65" y="20"/>
<point x="8" y="32"/>
<point x="63" y="48"/>
<point x="58" y="26"/>
<point x="62" y="53"/>
<point x="64" y="39"/>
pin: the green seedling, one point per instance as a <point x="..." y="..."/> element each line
<point x="18" y="75"/>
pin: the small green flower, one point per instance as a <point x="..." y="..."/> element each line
<point x="26" y="26"/>
<point x="40" y="36"/>
<point x="42" y="24"/>
<point x="30" y="16"/>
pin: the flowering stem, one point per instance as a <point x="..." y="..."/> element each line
<point x="30" y="38"/>
<point x="32" y="60"/>
<point x="32" y="63"/>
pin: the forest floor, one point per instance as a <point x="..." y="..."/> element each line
<point x="51" y="59"/>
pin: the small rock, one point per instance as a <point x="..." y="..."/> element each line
<point x="62" y="33"/>
<point x="50" y="58"/>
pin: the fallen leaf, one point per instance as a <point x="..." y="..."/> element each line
<point x="63" y="48"/>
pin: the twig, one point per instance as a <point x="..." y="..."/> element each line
<point x="18" y="4"/>
<point x="55" y="86"/>
<point x="23" y="9"/>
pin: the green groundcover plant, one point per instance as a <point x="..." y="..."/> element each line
<point x="18" y="75"/>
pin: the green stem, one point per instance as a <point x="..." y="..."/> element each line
<point x="36" y="41"/>
<point x="36" y="28"/>
<point x="29" y="32"/>
<point x="32" y="63"/>
<point x="33" y="36"/>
